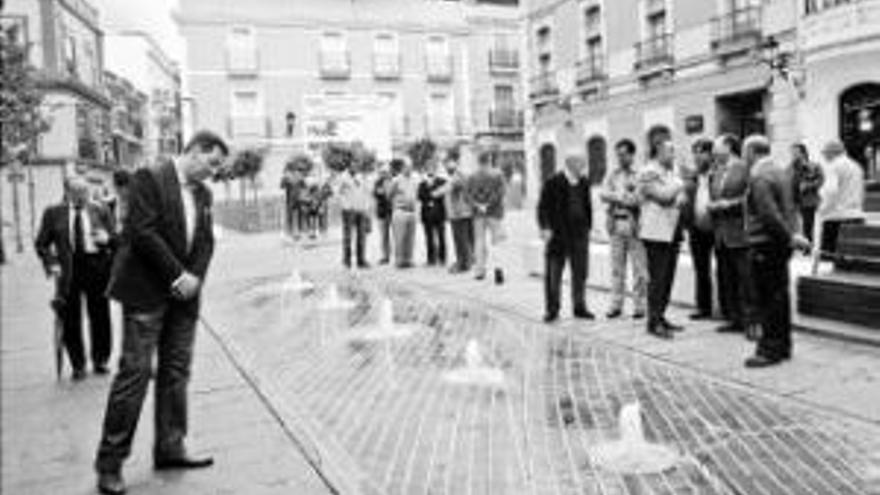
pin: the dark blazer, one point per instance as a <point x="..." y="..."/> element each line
<point x="730" y="183"/>
<point x="153" y="251"/>
<point x="54" y="245"/>
<point x="433" y="207"/>
<point x="553" y="211"/>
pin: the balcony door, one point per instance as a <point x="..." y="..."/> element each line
<point x="860" y="126"/>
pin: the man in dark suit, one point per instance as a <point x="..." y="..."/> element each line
<point x="772" y="235"/>
<point x="75" y="244"/>
<point x="431" y="195"/>
<point x="157" y="276"/>
<point x="565" y="217"/>
<point x="730" y="184"/>
<point x="696" y="219"/>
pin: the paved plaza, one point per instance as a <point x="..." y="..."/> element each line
<point x="476" y="396"/>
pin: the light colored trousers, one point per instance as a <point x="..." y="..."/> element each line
<point x="486" y="230"/>
<point x="623" y="248"/>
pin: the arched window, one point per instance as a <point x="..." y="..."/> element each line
<point x="548" y="161"/>
<point x="860" y="125"/>
<point x="597" y="159"/>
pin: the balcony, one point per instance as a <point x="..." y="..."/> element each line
<point x="439" y="68"/>
<point x="386" y="66"/>
<point x="736" y="31"/>
<point x="828" y="25"/>
<point x="654" y="55"/>
<point x="591" y="71"/>
<point x="248" y="127"/>
<point x="505" y="119"/>
<point x="544" y="86"/>
<point x="503" y="61"/>
<point x="335" y="64"/>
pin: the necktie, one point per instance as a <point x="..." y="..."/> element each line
<point x="79" y="236"/>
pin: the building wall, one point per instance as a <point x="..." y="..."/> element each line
<point x="288" y="45"/>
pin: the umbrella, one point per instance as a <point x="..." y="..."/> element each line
<point x="58" y="306"/>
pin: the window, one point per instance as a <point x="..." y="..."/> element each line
<point x="246" y="103"/>
<point x="437" y="54"/>
<point x="386" y="57"/>
<point x="385" y="43"/>
<point x="334" y="53"/>
<point x="504" y="99"/>
<point x="657" y="25"/>
<point x="241" y="49"/>
<point x="440" y="114"/>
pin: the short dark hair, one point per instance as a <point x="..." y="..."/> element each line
<point x="396" y="165"/>
<point x="702" y="145"/>
<point x="626" y="144"/>
<point x="802" y="148"/>
<point x="206" y="141"/>
<point x="453" y="154"/>
<point x="485" y="158"/>
<point x="656" y="144"/>
<point x="121" y="178"/>
<point x="732" y="142"/>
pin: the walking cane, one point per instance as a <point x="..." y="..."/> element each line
<point x="817" y="246"/>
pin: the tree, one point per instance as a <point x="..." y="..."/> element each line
<point x="421" y="152"/>
<point x="246" y="165"/>
<point x="300" y="162"/>
<point x="20" y="119"/>
<point x="338" y="156"/>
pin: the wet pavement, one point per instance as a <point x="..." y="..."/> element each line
<point x="383" y="417"/>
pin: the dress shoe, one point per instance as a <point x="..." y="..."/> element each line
<point x="671" y="326"/>
<point x="584" y="314"/>
<point x="480" y="276"/>
<point x="384" y="261"/>
<point x="614" y="313"/>
<point x="101" y="369"/>
<point x="363" y="265"/>
<point x="638" y="315"/>
<point x="183" y="463"/>
<point x="759" y="361"/>
<point x="550" y="317"/>
<point x="111" y="483"/>
<point x="700" y="315"/>
<point x="78" y="375"/>
<point x="499" y="276"/>
<point x="730" y="328"/>
<point x="661" y="332"/>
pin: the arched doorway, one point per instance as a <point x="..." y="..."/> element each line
<point x="597" y="159"/>
<point x="860" y="126"/>
<point x="657" y="134"/>
<point x="548" y="161"/>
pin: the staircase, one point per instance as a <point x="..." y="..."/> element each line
<point x="851" y="292"/>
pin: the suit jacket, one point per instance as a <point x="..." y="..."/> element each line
<point x="691" y="177"/>
<point x="771" y="207"/>
<point x="54" y="244"/>
<point x="153" y="251"/>
<point x="553" y="211"/>
<point x="730" y="183"/>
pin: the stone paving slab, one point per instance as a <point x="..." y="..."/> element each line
<point x="50" y="428"/>
<point x="386" y="409"/>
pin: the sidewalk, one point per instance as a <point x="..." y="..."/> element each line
<point x="50" y="428"/>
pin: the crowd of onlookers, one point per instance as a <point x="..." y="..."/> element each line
<point x="399" y="198"/>
<point x="732" y="202"/>
<point x="736" y="207"/>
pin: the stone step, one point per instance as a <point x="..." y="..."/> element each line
<point x="841" y="296"/>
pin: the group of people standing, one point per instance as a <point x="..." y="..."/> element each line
<point x="733" y="203"/>
<point x="471" y="203"/>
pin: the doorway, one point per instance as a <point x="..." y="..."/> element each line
<point x="742" y="114"/>
<point x="860" y="126"/>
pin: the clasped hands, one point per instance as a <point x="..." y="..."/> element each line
<point x="186" y="286"/>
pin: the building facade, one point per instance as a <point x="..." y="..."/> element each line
<point x="128" y="121"/>
<point x="137" y="57"/>
<point x="66" y="46"/>
<point x="447" y="70"/>
<point x="798" y="70"/>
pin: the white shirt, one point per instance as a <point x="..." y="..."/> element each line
<point x="843" y="191"/>
<point x="189" y="206"/>
<point x="91" y="248"/>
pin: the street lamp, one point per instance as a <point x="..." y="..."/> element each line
<point x="783" y="64"/>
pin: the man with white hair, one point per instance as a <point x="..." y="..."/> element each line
<point x="773" y="234"/>
<point x="842" y="193"/>
<point x="565" y="217"/>
<point x="75" y="244"/>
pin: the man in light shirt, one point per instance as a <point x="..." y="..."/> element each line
<point x="698" y="221"/>
<point x="355" y="197"/>
<point x="842" y="193"/>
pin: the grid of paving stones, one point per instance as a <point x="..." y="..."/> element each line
<point x="380" y="417"/>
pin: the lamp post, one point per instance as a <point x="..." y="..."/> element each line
<point x="783" y="64"/>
